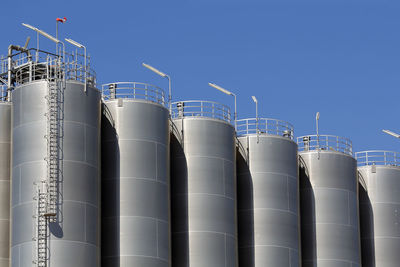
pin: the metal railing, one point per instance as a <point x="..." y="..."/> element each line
<point x="44" y="65"/>
<point x="378" y="157"/>
<point x="325" y="142"/>
<point x="133" y="90"/>
<point x="264" y="126"/>
<point x="198" y="108"/>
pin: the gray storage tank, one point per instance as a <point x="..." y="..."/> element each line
<point x="55" y="165"/>
<point x="135" y="176"/>
<point x="5" y="156"/>
<point x="268" y="194"/>
<point x="203" y="186"/>
<point x="379" y="173"/>
<point x="329" y="202"/>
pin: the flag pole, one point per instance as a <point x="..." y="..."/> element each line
<point x="57" y="21"/>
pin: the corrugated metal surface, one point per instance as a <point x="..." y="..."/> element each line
<point x="329" y="209"/>
<point x="135" y="182"/>
<point x="380" y="215"/>
<point x="268" y="200"/>
<point x="74" y="238"/>
<point x="204" y="228"/>
<point x="5" y="156"/>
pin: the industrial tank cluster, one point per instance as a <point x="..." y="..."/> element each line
<point x="122" y="177"/>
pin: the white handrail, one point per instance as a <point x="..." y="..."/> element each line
<point x="378" y="157"/>
<point x="264" y="126"/>
<point x="200" y="108"/>
<point x="325" y="142"/>
<point x="133" y="90"/>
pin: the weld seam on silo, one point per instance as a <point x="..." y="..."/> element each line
<point x="352" y="262"/>
<point x="138" y="178"/>
<point x="383" y="237"/>
<point x="341" y="224"/>
<point x="277" y="173"/>
<point x="138" y="256"/>
<point x="136" y="139"/>
<point x="279" y="210"/>
<point x="393" y="203"/>
<point x="330" y="188"/>
<point x="65" y="121"/>
<point x="211" y="232"/>
<point x="65" y="201"/>
<point x="205" y="194"/>
<point x="208" y="157"/>
<point x="289" y="248"/>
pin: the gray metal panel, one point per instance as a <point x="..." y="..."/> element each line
<point x="75" y="237"/>
<point x="268" y="200"/>
<point x="203" y="186"/>
<point x="380" y="215"/>
<point x="135" y="182"/>
<point x="5" y="157"/>
<point x="329" y="207"/>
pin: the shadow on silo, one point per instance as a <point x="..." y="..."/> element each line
<point x="179" y="204"/>
<point x="366" y="225"/>
<point x="245" y="206"/>
<point x="110" y="195"/>
<point x="307" y="217"/>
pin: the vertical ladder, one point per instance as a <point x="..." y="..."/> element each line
<point x="42" y="226"/>
<point x="53" y="147"/>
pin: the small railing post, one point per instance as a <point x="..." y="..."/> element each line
<point x="384" y="158"/>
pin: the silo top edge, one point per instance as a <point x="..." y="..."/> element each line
<point x="133" y="90"/>
<point x="378" y="157"/>
<point x="46" y="81"/>
<point x="264" y="126"/>
<point x="200" y="108"/>
<point x="325" y="143"/>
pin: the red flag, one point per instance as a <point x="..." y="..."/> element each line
<point x="62" y="20"/>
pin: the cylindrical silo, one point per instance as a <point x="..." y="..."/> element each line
<point x="268" y="194"/>
<point x="56" y="161"/>
<point x="5" y="157"/>
<point x="329" y="202"/>
<point x="203" y="186"/>
<point x="135" y="176"/>
<point x="379" y="173"/>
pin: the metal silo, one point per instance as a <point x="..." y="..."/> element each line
<point x="268" y="194"/>
<point x="329" y="202"/>
<point x="55" y="164"/>
<point x="379" y="173"/>
<point x="5" y="156"/>
<point x="135" y="176"/>
<point x="203" y="186"/>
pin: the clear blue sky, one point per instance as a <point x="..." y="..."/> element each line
<point x="338" y="57"/>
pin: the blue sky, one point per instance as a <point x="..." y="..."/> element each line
<point x="341" y="58"/>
